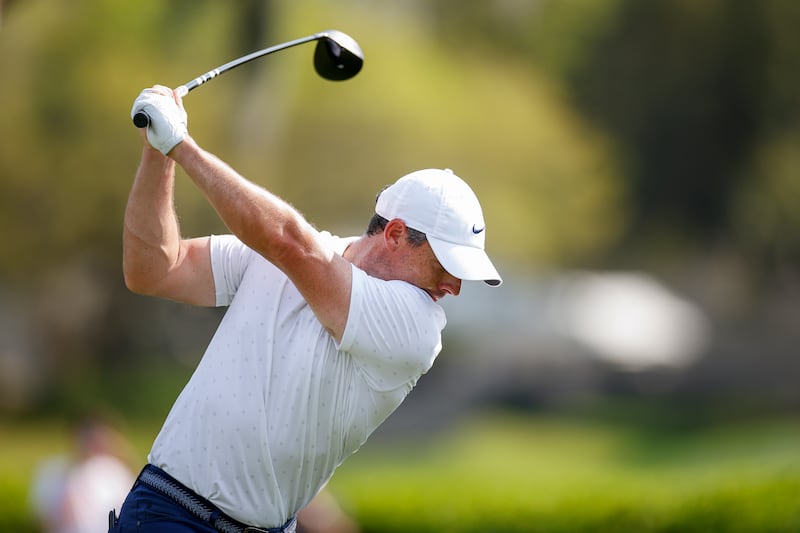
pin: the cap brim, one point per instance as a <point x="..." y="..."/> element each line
<point x="465" y="262"/>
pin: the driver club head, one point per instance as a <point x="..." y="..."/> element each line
<point x="337" y="56"/>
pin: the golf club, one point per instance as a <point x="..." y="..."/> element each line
<point x="337" y="57"/>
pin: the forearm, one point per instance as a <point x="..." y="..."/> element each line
<point x="259" y="218"/>
<point x="151" y="235"/>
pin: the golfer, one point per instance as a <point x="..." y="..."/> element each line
<point x="323" y="337"/>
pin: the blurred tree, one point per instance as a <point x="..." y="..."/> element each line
<point x="681" y="84"/>
<point x="70" y="71"/>
<point x="702" y="97"/>
<point x="768" y="200"/>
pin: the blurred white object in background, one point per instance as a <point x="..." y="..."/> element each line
<point x="630" y="320"/>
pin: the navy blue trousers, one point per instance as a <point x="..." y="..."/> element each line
<point x="147" y="511"/>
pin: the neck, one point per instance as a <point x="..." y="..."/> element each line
<point x="365" y="253"/>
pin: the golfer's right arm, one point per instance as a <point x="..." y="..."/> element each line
<point x="156" y="260"/>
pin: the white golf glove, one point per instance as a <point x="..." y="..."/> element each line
<point x="168" y="121"/>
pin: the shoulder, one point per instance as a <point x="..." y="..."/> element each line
<point x="393" y="317"/>
<point x="395" y="296"/>
<point x="393" y="331"/>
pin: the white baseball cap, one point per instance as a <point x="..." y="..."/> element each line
<point x="443" y="207"/>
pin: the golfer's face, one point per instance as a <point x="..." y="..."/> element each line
<point x="427" y="273"/>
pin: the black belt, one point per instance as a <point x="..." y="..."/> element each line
<point x="202" y="509"/>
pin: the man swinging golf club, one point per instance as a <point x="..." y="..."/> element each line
<point x="323" y="337"/>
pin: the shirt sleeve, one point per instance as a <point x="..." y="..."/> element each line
<point x="230" y="258"/>
<point x="393" y="331"/>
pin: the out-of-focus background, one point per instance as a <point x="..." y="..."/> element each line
<point x="639" y="170"/>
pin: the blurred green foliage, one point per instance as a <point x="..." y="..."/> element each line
<point x="582" y="125"/>
<point x="71" y="70"/>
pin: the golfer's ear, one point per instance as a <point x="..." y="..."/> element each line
<point x="394" y="233"/>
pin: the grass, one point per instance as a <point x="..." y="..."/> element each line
<point x="538" y="474"/>
<point x="519" y="473"/>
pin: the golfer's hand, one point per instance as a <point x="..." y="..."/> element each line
<point x="168" y="120"/>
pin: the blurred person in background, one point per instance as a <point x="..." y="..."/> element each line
<point x="73" y="493"/>
<point x="324" y="515"/>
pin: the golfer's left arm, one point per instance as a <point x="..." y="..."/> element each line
<point x="275" y="230"/>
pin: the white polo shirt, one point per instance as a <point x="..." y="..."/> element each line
<point x="275" y="405"/>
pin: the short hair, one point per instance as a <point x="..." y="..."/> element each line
<point x="377" y="224"/>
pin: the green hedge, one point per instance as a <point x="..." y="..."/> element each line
<point x="517" y="474"/>
<point x="772" y="506"/>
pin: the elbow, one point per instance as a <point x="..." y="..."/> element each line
<point x="137" y="281"/>
<point x="282" y="244"/>
<point x="133" y="282"/>
<point x="143" y="268"/>
<point x="137" y="266"/>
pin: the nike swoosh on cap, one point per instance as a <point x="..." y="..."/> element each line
<point x="477" y="230"/>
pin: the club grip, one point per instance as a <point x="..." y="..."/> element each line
<point x="141" y="120"/>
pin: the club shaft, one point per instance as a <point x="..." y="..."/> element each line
<point x="141" y="120"/>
